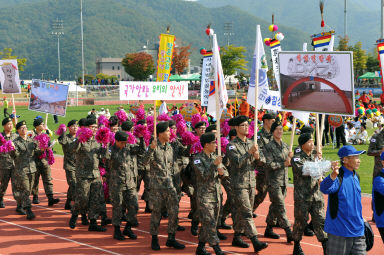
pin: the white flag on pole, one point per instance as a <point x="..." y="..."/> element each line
<point x="217" y="76"/>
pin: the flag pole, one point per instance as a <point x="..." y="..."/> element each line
<point x="322" y="128"/>
<point x="292" y="134"/>
<point x="318" y="142"/>
<point x="215" y="70"/>
<point x="256" y="83"/>
<point x="14" y="108"/>
<point x="154" y="120"/>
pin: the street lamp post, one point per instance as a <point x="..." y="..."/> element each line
<point x="82" y="49"/>
<point x="58" y="27"/>
<point x="228" y="31"/>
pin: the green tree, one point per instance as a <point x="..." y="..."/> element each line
<point x="233" y="59"/>
<point x="373" y="63"/>
<point x="6" y="53"/>
<point x="344" y="44"/>
<point x="359" y="59"/>
<point x="87" y="77"/>
<point x="181" y="58"/>
<point x="138" y="65"/>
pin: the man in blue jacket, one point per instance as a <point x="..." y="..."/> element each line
<point x="344" y="221"/>
<point x="378" y="199"/>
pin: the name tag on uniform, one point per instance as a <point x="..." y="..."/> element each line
<point x="296" y="159"/>
<point x="197" y="161"/>
<point x="231" y="147"/>
<point x="373" y="140"/>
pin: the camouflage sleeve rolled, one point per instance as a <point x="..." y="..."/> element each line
<point x="374" y="148"/>
<point x="204" y="168"/>
<point x="63" y="139"/>
<point x="138" y="149"/>
<point x="236" y="158"/>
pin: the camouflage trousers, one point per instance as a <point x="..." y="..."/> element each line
<point x="262" y="189"/>
<point x="5" y="177"/>
<point x="208" y="216"/>
<point x="277" y="209"/>
<point x="227" y="208"/>
<point x="302" y="210"/>
<point x="71" y="181"/>
<point x="45" y="172"/>
<point x="243" y="201"/>
<point x="122" y="200"/>
<point x="23" y="187"/>
<point x="158" y="199"/>
<point x="143" y="176"/>
<point x="89" y="198"/>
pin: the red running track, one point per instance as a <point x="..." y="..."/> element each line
<point x="49" y="233"/>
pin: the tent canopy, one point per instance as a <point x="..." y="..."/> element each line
<point x="192" y="77"/>
<point x="369" y="75"/>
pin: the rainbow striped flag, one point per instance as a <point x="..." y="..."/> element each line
<point x="274" y="43"/>
<point x="321" y="41"/>
<point x="380" y="48"/>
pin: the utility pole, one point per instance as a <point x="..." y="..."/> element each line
<point x="58" y="27"/>
<point x="228" y="31"/>
<point x="82" y="49"/>
<point x="345" y="18"/>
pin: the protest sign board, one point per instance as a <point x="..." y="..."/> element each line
<point x="48" y="97"/>
<point x="138" y="90"/>
<point x="317" y="82"/>
<point x="9" y="76"/>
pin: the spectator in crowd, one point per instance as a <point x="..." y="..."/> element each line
<point x="244" y="107"/>
<point x="92" y="113"/>
<point x="362" y="135"/>
<point x="364" y="98"/>
<point x="378" y="199"/>
<point x="5" y="105"/>
<point x="163" y="107"/>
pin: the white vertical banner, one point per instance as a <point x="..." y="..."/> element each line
<point x="218" y="77"/>
<point x="205" y="78"/>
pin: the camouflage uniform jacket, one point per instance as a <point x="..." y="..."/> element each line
<point x="375" y="146"/>
<point x="24" y="155"/>
<point x="121" y="164"/>
<point x="242" y="164"/>
<point x="305" y="187"/>
<point x="88" y="155"/>
<point x="43" y="162"/>
<point x="68" y="143"/>
<point x="207" y="178"/>
<point x="263" y="138"/>
<point x="6" y="161"/>
<point x="162" y="160"/>
<point x="274" y="156"/>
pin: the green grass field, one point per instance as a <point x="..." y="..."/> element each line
<point x="79" y="112"/>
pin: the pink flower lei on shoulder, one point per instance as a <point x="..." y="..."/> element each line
<point x="84" y="134"/>
<point x="6" y="146"/>
<point x="61" y="129"/>
<point x="102" y="120"/>
<point x="141" y="130"/>
<point x="121" y="115"/>
<point x="43" y="140"/>
<point x="140" y="114"/>
<point x="225" y="128"/>
<point x="103" y="136"/>
<point x="131" y="138"/>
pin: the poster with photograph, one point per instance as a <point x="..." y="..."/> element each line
<point x="9" y="76"/>
<point x="319" y="82"/>
<point x="48" y="97"/>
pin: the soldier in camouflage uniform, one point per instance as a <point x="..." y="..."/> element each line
<point x="243" y="154"/>
<point x="26" y="149"/>
<point x="43" y="169"/>
<point x="122" y="187"/>
<point x="264" y="136"/>
<point x="307" y="196"/>
<point x="89" y="190"/>
<point x="208" y="192"/>
<point x="161" y="158"/>
<point x="6" y="164"/>
<point x="277" y="158"/>
<point x="68" y="142"/>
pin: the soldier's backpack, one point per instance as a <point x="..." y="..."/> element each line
<point x="379" y="200"/>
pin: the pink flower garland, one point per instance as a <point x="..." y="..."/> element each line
<point x="141" y="130"/>
<point x="150" y="120"/>
<point x="84" y="134"/>
<point x="102" y="120"/>
<point x="112" y="138"/>
<point x="224" y="143"/>
<point x="103" y="136"/>
<point x="178" y="118"/>
<point x="131" y="138"/>
<point x="43" y="140"/>
<point x="173" y="136"/>
<point x="225" y="128"/>
<point x="181" y="127"/>
<point x="195" y="119"/>
<point x="251" y="130"/>
<point x="61" y="130"/>
<point x="163" y="117"/>
<point x="140" y="114"/>
<point x="121" y="115"/>
<point x="6" y="145"/>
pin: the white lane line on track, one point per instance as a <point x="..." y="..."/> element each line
<point x="60" y="237"/>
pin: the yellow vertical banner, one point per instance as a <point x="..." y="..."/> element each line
<point x="164" y="62"/>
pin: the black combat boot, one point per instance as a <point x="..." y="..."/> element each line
<point x="308" y="230"/>
<point x="105" y="220"/>
<point x="223" y="225"/>
<point x="155" y="243"/>
<point x="257" y="245"/>
<point x="52" y="201"/>
<point x="288" y="232"/>
<point x="147" y="209"/>
<point x="2" y="203"/>
<point x="128" y="232"/>
<point x="72" y="221"/>
<point x="218" y="250"/>
<point x="35" y="200"/>
<point x="270" y="234"/>
<point x="200" y="250"/>
<point x="180" y="228"/>
<point x="238" y="242"/>
<point x="221" y="236"/>
<point x="194" y="228"/>
<point x="94" y="227"/>
<point x="30" y="214"/>
<point x="68" y="205"/>
<point x="84" y="220"/>
<point x="324" y="244"/>
<point x="297" y="249"/>
<point x="20" y="210"/>
<point x="171" y="242"/>
<point x="118" y="235"/>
